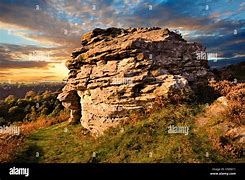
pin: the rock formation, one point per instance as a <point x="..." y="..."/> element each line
<point x="117" y="71"/>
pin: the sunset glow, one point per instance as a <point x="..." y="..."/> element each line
<point x="36" y="37"/>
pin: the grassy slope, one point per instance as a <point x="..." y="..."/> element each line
<point x="146" y="140"/>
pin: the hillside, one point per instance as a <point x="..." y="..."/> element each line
<point x="142" y="140"/>
<point x="215" y="134"/>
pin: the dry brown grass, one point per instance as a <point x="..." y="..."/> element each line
<point x="236" y="106"/>
<point x="43" y="121"/>
<point x="220" y="119"/>
<point x="221" y="87"/>
<point x="235" y="93"/>
<point x="10" y="144"/>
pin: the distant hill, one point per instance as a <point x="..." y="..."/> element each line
<point x="231" y="72"/>
<point x="224" y="63"/>
<point x="19" y="90"/>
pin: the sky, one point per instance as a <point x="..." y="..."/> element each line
<point x="38" y="36"/>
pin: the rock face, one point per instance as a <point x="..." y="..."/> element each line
<point x="116" y="71"/>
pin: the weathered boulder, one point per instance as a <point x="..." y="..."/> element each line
<point x="120" y="70"/>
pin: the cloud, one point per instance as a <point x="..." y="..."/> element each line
<point x="62" y="22"/>
<point x="7" y="61"/>
<point x="227" y="45"/>
<point x="37" y="25"/>
<point x="13" y="52"/>
<point x="5" y="74"/>
<point x="5" y="64"/>
<point x="48" y="77"/>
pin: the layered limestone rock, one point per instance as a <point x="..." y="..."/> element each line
<point x="117" y="71"/>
